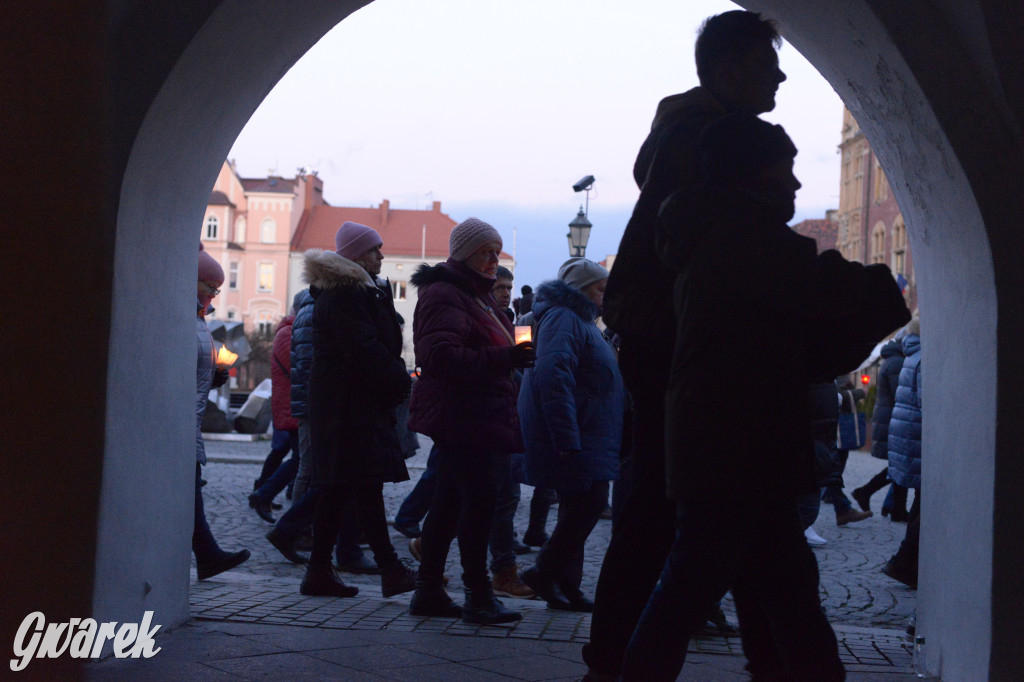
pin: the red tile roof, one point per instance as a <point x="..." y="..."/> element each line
<point x="401" y="229"/>
<point x="822" y="230"/>
<point x="268" y="185"/>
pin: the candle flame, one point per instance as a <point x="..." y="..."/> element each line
<point x="225" y="358"/>
<point x="524" y="333"/>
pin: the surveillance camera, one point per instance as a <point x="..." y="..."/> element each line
<point x="584" y="183"/>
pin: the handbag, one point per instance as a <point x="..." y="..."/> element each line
<point x="852" y="431"/>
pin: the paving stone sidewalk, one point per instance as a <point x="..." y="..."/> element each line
<point x="868" y="610"/>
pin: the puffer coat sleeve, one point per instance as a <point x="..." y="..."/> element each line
<point x="301" y="355"/>
<point x="905" y="425"/>
<point x="205" y="367"/>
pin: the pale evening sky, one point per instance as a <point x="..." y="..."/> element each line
<point x="496" y="109"/>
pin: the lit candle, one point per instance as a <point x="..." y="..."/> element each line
<point x="524" y="333"/>
<point x="225" y="358"/>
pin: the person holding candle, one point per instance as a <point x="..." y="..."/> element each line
<point x="465" y="400"/>
<point x="356" y="381"/>
<point x="210" y="558"/>
<point x="571" y="405"/>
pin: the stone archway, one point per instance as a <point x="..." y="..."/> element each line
<point x="171" y="107"/>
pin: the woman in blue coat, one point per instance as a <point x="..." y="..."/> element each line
<point x="905" y="453"/>
<point x="570" y="407"/>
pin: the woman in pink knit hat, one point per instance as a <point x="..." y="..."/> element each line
<point x="465" y="399"/>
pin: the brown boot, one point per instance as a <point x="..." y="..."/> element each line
<point x="397" y="578"/>
<point x="507" y="583"/>
<point x="851" y="515"/>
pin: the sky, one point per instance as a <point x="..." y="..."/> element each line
<point x="496" y="109"/>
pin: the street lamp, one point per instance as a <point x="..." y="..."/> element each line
<point x="579" y="234"/>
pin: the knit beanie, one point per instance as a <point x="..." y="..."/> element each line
<point x="209" y="269"/>
<point x="470" y="235"/>
<point x="580" y="273"/>
<point x="353" y="240"/>
<point x="741" y="146"/>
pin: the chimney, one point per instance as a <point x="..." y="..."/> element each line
<point x="384" y="207"/>
<point x="437" y="207"/>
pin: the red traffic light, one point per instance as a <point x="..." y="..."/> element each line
<point x="865" y="379"/>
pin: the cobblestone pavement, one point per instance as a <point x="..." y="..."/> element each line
<point x="868" y="609"/>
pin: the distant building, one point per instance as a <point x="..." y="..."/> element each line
<point x="258" y="229"/>
<point x="871" y="227"/>
<point x="824" y="231"/>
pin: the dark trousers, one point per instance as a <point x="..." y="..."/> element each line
<point x="204" y="546"/>
<point x="464" y="501"/>
<point x="369" y="503"/>
<point x="281" y="444"/>
<point x="906" y="556"/>
<point x="561" y="557"/>
<point x="417" y="503"/>
<point x="301" y="514"/>
<point x="641" y="539"/>
<point x="759" y="551"/>
<point x="281" y="477"/>
<point x="503" y="532"/>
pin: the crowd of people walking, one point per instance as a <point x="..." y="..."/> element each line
<point x="717" y="487"/>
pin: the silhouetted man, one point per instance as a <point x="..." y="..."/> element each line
<point x="750" y="295"/>
<point x="738" y="70"/>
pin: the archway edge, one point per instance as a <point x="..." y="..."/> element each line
<point x="853" y="47"/>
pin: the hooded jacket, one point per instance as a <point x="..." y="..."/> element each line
<point x="357" y="377"/>
<point x="572" y="400"/>
<point x="633" y="308"/>
<point x="280" y="377"/>
<point x="465" y="396"/>
<point x="885" y="397"/>
<point x="751" y="295"/>
<point x="905" y="426"/>
<point x="301" y="354"/>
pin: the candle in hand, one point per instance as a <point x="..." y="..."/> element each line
<point x="524" y="333"/>
<point x="225" y="358"/>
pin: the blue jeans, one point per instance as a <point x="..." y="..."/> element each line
<point x="280" y="444"/>
<point x="300" y="515"/>
<point x="285" y="473"/>
<point x="503" y="532"/>
<point x="417" y="502"/>
<point x="759" y="550"/>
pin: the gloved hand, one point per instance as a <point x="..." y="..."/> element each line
<point x="523" y="355"/>
<point x="220" y="377"/>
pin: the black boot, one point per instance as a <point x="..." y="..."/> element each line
<point x="218" y="562"/>
<point x="546" y="589"/>
<point x="262" y="507"/>
<point x="536" y="535"/>
<point x="483" y="608"/>
<point x="322" y="581"/>
<point x="577" y="600"/>
<point x="397" y="578"/>
<point x="285" y="544"/>
<point x="433" y="602"/>
<point x="863" y="494"/>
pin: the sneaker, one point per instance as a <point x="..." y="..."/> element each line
<point x="851" y="515"/>
<point x="813" y="539"/>
<point x="397" y="578"/>
<point x="415" y="548"/>
<point x="507" y="583"/>
<point x="361" y="565"/>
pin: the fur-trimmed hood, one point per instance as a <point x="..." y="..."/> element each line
<point x="557" y="294"/>
<point x="326" y="270"/>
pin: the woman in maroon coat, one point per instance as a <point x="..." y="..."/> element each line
<point x="465" y="399"/>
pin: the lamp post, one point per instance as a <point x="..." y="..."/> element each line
<point x="579" y="234"/>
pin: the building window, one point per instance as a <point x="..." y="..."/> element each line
<point x="264" y="323"/>
<point x="398" y="289"/>
<point x="878" y="243"/>
<point x="231" y="314"/>
<point x="268" y="231"/>
<point x="881" y="184"/>
<point x="265" y="281"/>
<point x="233" y="276"/>
<point x="212" y="227"/>
<point x="240" y="231"/>
<point x="899" y="247"/>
